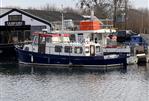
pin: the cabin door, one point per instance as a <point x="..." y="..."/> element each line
<point x="41" y="44"/>
<point x="92" y="50"/>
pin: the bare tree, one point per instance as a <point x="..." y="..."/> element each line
<point x="138" y="20"/>
<point x="101" y="7"/>
<point x="49" y="7"/>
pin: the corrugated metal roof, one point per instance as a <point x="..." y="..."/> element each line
<point x="54" y="15"/>
<point x="47" y="15"/>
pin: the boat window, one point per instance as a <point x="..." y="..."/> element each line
<point x="65" y="39"/>
<point x="58" y="48"/>
<point x="35" y="41"/>
<point x="42" y="40"/>
<point x="27" y="35"/>
<point x="68" y="49"/>
<point x="78" y="50"/>
<point x="87" y="49"/>
<point x="48" y="39"/>
<point x="72" y="38"/>
<point x="56" y="39"/>
<point x="80" y="37"/>
<point x="97" y="48"/>
<point x="92" y="37"/>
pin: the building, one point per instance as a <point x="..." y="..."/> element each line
<point x="16" y="25"/>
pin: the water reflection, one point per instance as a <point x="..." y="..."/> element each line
<point x="28" y="83"/>
<point x="14" y="68"/>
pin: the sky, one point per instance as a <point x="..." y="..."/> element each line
<point x="140" y="3"/>
<point x="57" y="3"/>
<point x="38" y="3"/>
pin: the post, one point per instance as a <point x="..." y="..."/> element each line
<point x="62" y="20"/>
<point x="125" y="62"/>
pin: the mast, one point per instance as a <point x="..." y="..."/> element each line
<point x="62" y="20"/>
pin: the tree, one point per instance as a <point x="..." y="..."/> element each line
<point x="49" y="7"/>
<point x="101" y="7"/>
<point x="106" y="8"/>
<point x="138" y="20"/>
<point x="120" y="12"/>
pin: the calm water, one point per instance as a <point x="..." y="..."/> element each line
<point x="19" y="83"/>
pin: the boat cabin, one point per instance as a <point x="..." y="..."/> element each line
<point x="60" y="44"/>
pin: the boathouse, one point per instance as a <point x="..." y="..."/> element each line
<point x="17" y="24"/>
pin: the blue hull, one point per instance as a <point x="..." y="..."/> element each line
<point x="49" y="59"/>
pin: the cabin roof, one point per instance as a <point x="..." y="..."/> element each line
<point x="104" y="31"/>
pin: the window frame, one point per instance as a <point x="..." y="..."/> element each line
<point x="68" y="49"/>
<point x="80" y="50"/>
<point x="58" y="48"/>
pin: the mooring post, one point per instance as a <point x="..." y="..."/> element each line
<point x="125" y="63"/>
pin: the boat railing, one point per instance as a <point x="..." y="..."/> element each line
<point x="135" y="43"/>
<point x="17" y="43"/>
<point x="75" y="24"/>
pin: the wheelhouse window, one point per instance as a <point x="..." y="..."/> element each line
<point x="68" y="49"/>
<point x="35" y="40"/>
<point x="72" y="38"/>
<point x="42" y="40"/>
<point x="58" y="48"/>
<point x="87" y="49"/>
<point x="78" y="50"/>
<point x="48" y="39"/>
<point x="97" y="48"/>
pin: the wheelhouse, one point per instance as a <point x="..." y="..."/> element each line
<point x="60" y="44"/>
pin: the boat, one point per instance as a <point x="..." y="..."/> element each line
<point x="58" y="49"/>
<point x="83" y="47"/>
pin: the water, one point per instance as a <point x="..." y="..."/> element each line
<point x="19" y="83"/>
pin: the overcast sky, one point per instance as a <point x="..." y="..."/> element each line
<point x="38" y="3"/>
<point x="140" y="3"/>
<point x="58" y="3"/>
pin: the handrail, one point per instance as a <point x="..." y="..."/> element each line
<point x="18" y="43"/>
